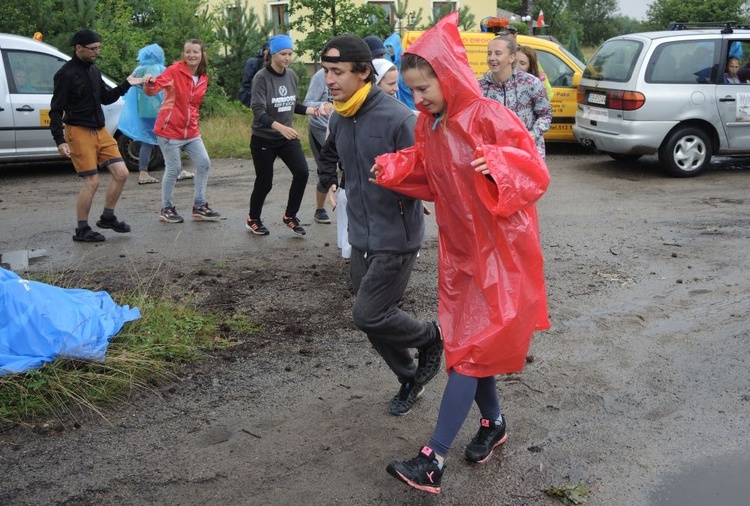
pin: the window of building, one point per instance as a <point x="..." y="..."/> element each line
<point x="440" y="9"/>
<point x="280" y="17"/>
<point x="388" y="8"/>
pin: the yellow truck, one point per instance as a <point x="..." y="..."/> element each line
<point x="563" y="70"/>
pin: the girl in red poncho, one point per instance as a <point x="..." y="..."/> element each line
<point x="475" y="159"/>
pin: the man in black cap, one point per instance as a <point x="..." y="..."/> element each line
<point x="77" y="99"/>
<point x="386" y="229"/>
<point x="252" y="66"/>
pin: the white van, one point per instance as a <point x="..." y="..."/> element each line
<point x="27" y="72"/>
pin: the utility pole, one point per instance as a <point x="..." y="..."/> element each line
<point x="528" y="10"/>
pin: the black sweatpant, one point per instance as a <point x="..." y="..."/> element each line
<point x="264" y="152"/>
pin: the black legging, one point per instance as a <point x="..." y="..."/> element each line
<point x="264" y="152"/>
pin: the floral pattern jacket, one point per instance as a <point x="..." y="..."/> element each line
<point x="525" y="95"/>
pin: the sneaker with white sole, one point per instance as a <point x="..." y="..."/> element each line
<point x="169" y="215"/>
<point x="256" y="227"/>
<point x="293" y="223"/>
<point x="205" y="213"/>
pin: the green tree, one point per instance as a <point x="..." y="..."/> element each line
<point x="239" y="33"/>
<point x="595" y="17"/>
<point x="573" y="45"/>
<point x="321" y="20"/>
<point x="465" y="19"/>
<point x="662" y="12"/>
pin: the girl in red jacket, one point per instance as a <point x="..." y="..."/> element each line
<point x="476" y="161"/>
<point x="184" y="85"/>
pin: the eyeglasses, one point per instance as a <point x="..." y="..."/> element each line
<point x="94" y="49"/>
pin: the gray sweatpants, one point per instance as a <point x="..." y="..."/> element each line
<point x="379" y="281"/>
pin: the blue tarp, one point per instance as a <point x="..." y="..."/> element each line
<point x="40" y="322"/>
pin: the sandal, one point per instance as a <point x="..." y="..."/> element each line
<point x="147" y="180"/>
<point x="112" y="223"/>
<point x="85" y="234"/>
<point x="185" y="175"/>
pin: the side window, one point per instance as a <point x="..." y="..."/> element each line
<point x="684" y="62"/>
<point x="737" y="65"/>
<point x="31" y="73"/>
<point x="558" y="72"/>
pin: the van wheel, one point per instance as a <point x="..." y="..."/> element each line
<point x="129" y="149"/>
<point x="620" y="157"/>
<point x="686" y="152"/>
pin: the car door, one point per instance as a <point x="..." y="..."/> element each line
<point x="29" y="77"/>
<point x="564" y="81"/>
<point x="733" y="99"/>
<point x="7" y="133"/>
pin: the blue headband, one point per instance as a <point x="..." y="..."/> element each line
<point x="280" y="42"/>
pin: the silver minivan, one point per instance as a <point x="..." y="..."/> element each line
<point x="666" y="93"/>
<point x="27" y="72"/>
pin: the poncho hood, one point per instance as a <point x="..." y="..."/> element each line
<point x="442" y="47"/>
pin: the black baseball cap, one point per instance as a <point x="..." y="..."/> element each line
<point x="351" y="49"/>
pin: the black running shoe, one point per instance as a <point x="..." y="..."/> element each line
<point x="404" y="400"/>
<point x="430" y="358"/>
<point x="256" y="227"/>
<point x="293" y="223"/>
<point x="421" y="472"/>
<point x="490" y="436"/>
<point x="112" y="223"/>
<point x="85" y="234"/>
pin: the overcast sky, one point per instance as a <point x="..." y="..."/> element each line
<point x="634" y="8"/>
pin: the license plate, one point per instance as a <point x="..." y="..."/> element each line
<point x="44" y="117"/>
<point x="597" y="98"/>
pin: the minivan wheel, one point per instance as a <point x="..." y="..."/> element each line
<point x="686" y="152"/>
<point x="621" y="157"/>
<point x="129" y="149"/>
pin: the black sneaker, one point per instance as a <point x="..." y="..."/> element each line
<point x="85" y="234"/>
<point x="205" y="213"/>
<point x="421" y="472"/>
<point x="256" y="227"/>
<point x="404" y="400"/>
<point x="490" y="436"/>
<point x="293" y="223"/>
<point x="169" y="215"/>
<point x="430" y="358"/>
<point x="321" y="216"/>
<point x="112" y="223"/>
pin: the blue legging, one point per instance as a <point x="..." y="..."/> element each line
<point x="454" y="408"/>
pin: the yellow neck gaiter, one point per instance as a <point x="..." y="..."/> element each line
<point x="351" y="106"/>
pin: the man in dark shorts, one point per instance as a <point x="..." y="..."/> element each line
<point x="77" y="100"/>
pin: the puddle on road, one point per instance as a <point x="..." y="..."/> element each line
<point x="721" y="482"/>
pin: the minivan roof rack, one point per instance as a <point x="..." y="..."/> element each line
<point x="726" y="26"/>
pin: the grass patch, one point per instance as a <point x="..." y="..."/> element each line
<point x="168" y="335"/>
<point x="228" y="136"/>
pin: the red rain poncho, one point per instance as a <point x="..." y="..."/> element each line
<point x="491" y="283"/>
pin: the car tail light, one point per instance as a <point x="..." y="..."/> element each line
<point x="581" y="95"/>
<point x="625" y="100"/>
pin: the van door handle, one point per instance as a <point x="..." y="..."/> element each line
<point x="728" y="98"/>
<point x="26" y="108"/>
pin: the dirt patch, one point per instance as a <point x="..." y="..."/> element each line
<point x="644" y="371"/>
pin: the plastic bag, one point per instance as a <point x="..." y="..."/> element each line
<point x="40" y="322"/>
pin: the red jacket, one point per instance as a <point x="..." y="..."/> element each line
<point x="178" y="115"/>
<point x="491" y="291"/>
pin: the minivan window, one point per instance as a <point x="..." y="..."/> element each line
<point x="30" y="72"/>
<point x="558" y="72"/>
<point x="684" y="62"/>
<point x="614" y="61"/>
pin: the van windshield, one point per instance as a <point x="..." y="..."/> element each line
<point x="614" y="61"/>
